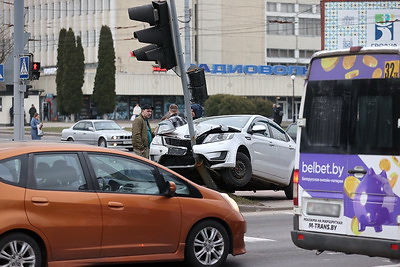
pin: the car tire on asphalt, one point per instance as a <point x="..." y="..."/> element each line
<point x="19" y="249"/>
<point x="70" y="139"/>
<point x="207" y="245"/>
<point x="241" y="174"/>
<point x="102" y="142"/>
<point x="289" y="189"/>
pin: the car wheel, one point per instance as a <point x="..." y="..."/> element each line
<point x="102" y="142"/>
<point x="241" y="174"/>
<point x="207" y="245"/>
<point x="289" y="189"/>
<point x="70" y="139"/>
<point x="19" y="250"/>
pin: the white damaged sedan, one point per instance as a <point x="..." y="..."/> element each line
<point x="242" y="152"/>
<point x="105" y="133"/>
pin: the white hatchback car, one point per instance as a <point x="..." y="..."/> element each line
<point x="242" y="152"/>
<point x="105" y="133"/>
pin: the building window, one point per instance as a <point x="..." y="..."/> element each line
<point x="305" y="8"/>
<point x="280" y="25"/>
<point x="309" y="27"/>
<point x="282" y="53"/>
<point x="51" y="11"/>
<point x="288" y="8"/>
<point x="45" y="11"/>
<point x="63" y="9"/>
<point x="57" y="10"/>
<point x="306" y="53"/>
<point x="271" y="7"/>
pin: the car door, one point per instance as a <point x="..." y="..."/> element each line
<point x="137" y="219"/>
<point x="285" y="152"/>
<point x="264" y="150"/>
<point x="78" y="132"/>
<point x="90" y="133"/>
<point x="59" y="203"/>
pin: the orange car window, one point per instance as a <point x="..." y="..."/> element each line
<point x="119" y="174"/>
<point x="59" y="172"/>
<point x="10" y="170"/>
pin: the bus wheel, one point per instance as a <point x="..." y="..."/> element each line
<point x="240" y="175"/>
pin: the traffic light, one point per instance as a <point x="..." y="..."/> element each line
<point x="159" y="35"/>
<point x="35" y="71"/>
<point x="197" y="82"/>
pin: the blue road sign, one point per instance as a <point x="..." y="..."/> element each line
<point x="1" y="73"/>
<point x="24" y="68"/>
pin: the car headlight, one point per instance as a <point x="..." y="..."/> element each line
<point x="231" y="202"/>
<point x="211" y="138"/>
<point x="114" y="137"/>
<point x="157" y="141"/>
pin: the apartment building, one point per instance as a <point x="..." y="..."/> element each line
<point x="252" y="49"/>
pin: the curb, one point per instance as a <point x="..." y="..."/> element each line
<point x="250" y="208"/>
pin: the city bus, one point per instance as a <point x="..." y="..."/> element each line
<point x="346" y="182"/>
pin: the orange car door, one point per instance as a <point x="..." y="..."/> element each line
<point x="62" y="208"/>
<point x="137" y="219"/>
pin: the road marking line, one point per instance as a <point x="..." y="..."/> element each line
<point x="257" y="239"/>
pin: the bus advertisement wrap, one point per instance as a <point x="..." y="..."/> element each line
<point x="370" y="204"/>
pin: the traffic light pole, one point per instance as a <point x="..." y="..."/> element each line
<point x="182" y="72"/>
<point x="18" y="103"/>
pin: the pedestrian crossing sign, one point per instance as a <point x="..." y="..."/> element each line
<point x="24" y="68"/>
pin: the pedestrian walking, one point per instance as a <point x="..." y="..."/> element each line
<point x="32" y="112"/>
<point x="36" y="127"/>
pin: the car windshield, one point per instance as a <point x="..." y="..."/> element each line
<point x="106" y="125"/>
<point x="234" y="121"/>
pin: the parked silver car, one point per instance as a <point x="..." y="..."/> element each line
<point x="105" y="133"/>
<point x="242" y="152"/>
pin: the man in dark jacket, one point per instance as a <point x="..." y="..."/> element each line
<point x="142" y="135"/>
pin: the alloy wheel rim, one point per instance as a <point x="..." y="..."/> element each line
<point x="17" y="253"/>
<point x="209" y="246"/>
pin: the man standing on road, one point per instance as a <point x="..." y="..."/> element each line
<point x="142" y="135"/>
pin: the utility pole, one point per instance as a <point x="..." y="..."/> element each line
<point x="188" y="59"/>
<point x="19" y="89"/>
<point x="205" y="175"/>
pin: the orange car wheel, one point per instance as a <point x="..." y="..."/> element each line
<point x="18" y="249"/>
<point x="207" y="245"/>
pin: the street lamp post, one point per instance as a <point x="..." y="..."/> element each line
<point x="293" y="105"/>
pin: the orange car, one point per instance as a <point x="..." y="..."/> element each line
<point x="77" y="205"/>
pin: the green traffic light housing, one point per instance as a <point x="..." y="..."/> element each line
<point x="161" y="48"/>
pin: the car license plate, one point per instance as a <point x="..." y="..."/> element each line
<point x="176" y="151"/>
<point x="127" y="142"/>
<point x="323" y="209"/>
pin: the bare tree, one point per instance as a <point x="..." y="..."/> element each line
<point x="6" y="41"/>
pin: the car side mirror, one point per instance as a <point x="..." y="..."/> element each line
<point x="258" y="128"/>
<point x="170" y="189"/>
<point x="91" y="129"/>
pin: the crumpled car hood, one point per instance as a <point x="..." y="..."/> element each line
<point x="182" y="132"/>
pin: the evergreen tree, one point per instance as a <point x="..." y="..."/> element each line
<point x="104" y="95"/>
<point x="72" y="78"/>
<point x="60" y="69"/>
